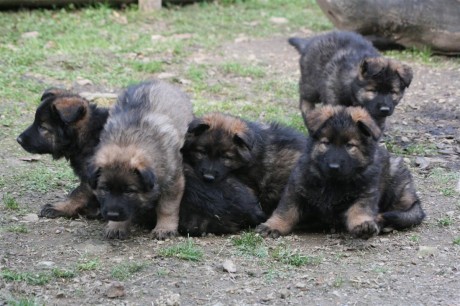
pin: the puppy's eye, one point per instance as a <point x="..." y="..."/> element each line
<point x="350" y="145"/>
<point x="131" y="189"/>
<point x="324" y="142"/>
<point x="42" y="129"/>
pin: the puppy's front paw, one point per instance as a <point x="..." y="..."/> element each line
<point x="162" y="234"/>
<point x="365" y="230"/>
<point x="266" y="231"/>
<point x="116" y="230"/>
<point x="50" y="211"/>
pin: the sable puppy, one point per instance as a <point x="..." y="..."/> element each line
<point x="260" y="156"/>
<point x="346" y="179"/>
<point x="66" y="125"/>
<point x="222" y="207"/>
<point x="138" y="163"/>
<point x="344" y="68"/>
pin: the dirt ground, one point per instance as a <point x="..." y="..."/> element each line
<point x="420" y="266"/>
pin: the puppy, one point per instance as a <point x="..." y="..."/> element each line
<point x="222" y="207"/>
<point x="66" y="125"/>
<point x="138" y="163"/>
<point x="345" y="179"/>
<point x="344" y="68"/>
<point x="260" y="156"/>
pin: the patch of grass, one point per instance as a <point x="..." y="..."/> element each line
<point x="63" y="273"/>
<point x="30" y="278"/>
<point x="88" y="265"/>
<point x="148" y="67"/>
<point x="250" y="243"/>
<point x="422" y="55"/>
<point x="20" y="228"/>
<point x="456" y="241"/>
<point x="445" y="221"/>
<point x="412" y="149"/>
<point x="185" y="250"/>
<point x="414" y="238"/>
<point x="24" y="302"/>
<point x="125" y="270"/>
<point x="445" y="181"/>
<point x="285" y="255"/>
<point x="10" y="202"/>
<point x="339" y="281"/>
<point x="243" y="70"/>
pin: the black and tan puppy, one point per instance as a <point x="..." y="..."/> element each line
<point x="345" y="179"/>
<point x="138" y="162"/>
<point x="223" y="207"/>
<point x="343" y="68"/>
<point x="260" y="156"/>
<point x="66" y="125"/>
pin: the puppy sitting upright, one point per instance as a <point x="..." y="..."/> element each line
<point x="138" y="164"/>
<point x="344" y="68"/>
<point x="66" y="125"/>
<point x="345" y="179"/>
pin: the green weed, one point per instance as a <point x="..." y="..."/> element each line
<point x="243" y="70"/>
<point x="21" y="229"/>
<point x="24" y="302"/>
<point x="445" y="181"/>
<point x="62" y="273"/>
<point x="250" y="243"/>
<point x="445" y="221"/>
<point x="125" y="270"/>
<point x="185" y="250"/>
<point x="30" y="278"/>
<point x="456" y="241"/>
<point x="414" y="238"/>
<point x="88" y="265"/>
<point x="10" y="202"/>
<point x="285" y="255"/>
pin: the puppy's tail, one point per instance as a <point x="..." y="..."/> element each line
<point x="401" y="219"/>
<point x="301" y="44"/>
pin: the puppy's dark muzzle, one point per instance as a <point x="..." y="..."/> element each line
<point x="20" y="140"/>
<point x="114" y="216"/>
<point x="385" y="111"/>
<point x="209" y="177"/>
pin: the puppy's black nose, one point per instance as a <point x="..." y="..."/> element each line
<point x="19" y="140"/>
<point x="334" y="166"/>
<point x="385" y="110"/>
<point x="113" y="215"/>
<point x="208" y="177"/>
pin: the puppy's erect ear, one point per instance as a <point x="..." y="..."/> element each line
<point x="316" y="118"/>
<point x="405" y="73"/>
<point x="52" y="93"/>
<point x="371" y="66"/>
<point x="364" y="121"/>
<point x="197" y="127"/>
<point x="70" y="109"/>
<point x="147" y="178"/>
<point x="245" y="140"/>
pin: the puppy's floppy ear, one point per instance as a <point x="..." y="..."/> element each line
<point x="147" y="178"/>
<point x="70" y="109"/>
<point x="318" y="117"/>
<point x="405" y="73"/>
<point x="365" y="123"/>
<point x="93" y="175"/>
<point x="371" y="66"/>
<point x="197" y="127"/>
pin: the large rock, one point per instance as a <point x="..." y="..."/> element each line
<point x="410" y="23"/>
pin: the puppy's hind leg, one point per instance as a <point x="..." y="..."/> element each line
<point x="75" y="204"/>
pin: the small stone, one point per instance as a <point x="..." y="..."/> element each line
<point x="115" y="290"/>
<point x="83" y="82"/>
<point x="278" y="20"/>
<point x="30" y="218"/>
<point x="422" y="162"/>
<point x="59" y="230"/>
<point x="166" y="75"/>
<point x="426" y="251"/>
<point x="229" y="266"/>
<point x="405" y="139"/>
<point x="45" y="264"/>
<point x="168" y="299"/>
<point x="300" y="285"/>
<point x="32" y="34"/>
<point x="60" y="295"/>
<point x="284" y="293"/>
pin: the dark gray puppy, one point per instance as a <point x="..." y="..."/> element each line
<point x="344" y="68"/>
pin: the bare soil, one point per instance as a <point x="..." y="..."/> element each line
<point x="420" y="266"/>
